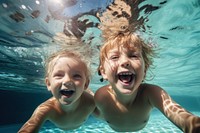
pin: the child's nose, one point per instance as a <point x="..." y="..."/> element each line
<point x="67" y="81"/>
<point x="125" y="62"/>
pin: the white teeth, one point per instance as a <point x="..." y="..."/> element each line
<point x="67" y="89"/>
<point x="127" y="73"/>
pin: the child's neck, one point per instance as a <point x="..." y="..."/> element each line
<point x="126" y="100"/>
<point x="71" y="107"/>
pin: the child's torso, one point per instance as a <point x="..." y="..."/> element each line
<point x="127" y="118"/>
<point x="74" y="119"/>
<point x="132" y="120"/>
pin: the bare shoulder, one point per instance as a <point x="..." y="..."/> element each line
<point x="102" y="93"/>
<point x="49" y="103"/>
<point x="150" y="88"/>
<point x="102" y="99"/>
<point x="88" y="99"/>
<point x="47" y="107"/>
<point x="88" y="90"/>
<point x="153" y="93"/>
<point x="87" y="103"/>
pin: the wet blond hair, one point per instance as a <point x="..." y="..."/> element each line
<point x="52" y="59"/>
<point x="130" y="41"/>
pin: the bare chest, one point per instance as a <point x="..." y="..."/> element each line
<point x="131" y="119"/>
<point x="70" y="120"/>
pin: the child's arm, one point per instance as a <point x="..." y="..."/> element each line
<point x="38" y="117"/>
<point x="186" y="121"/>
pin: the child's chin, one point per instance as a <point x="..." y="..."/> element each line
<point x="126" y="91"/>
<point x="65" y="101"/>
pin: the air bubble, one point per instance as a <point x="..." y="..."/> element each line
<point x="4" y="5"/>
<point x="37" y="2"/>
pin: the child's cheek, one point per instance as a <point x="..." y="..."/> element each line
<point x="111" y="66"/>
<point x="114" y="66"/>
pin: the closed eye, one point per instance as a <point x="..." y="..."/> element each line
<point x="114" y="57"/>
<point x="134" y="55"/>
<point x="58" y="75"/>
<point x="77" y="76"/>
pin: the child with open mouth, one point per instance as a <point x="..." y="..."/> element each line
<point x="67" y="77"/>
<point x="126" y="102"/>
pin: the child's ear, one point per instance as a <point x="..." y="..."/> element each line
<point x="144" y="74"/>
<point x="102" y="71"/>
<point x="48" y="84"/>
<point x="87" y="84"/>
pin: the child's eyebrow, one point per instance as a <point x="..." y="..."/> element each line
<point x="134" y="49"/>
<point x="114" y="51"/>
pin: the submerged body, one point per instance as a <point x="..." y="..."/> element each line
<point x="131" y="117"/>
<point x="68" y="79"/>
<point x="126" y="102"/>
<point x="134" y="116"/>
<point x="51" y="110"/>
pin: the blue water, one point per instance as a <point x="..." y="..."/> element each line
<point x="28" y="26"/>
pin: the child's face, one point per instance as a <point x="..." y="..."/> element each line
<point x="124" y="68"/>
<point x="67" y="80"/>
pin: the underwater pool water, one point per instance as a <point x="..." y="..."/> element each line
<point x="157" y="124"/>
<point x="27" y="29"/>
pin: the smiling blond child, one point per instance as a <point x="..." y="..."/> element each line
<point x="67" y="77"/>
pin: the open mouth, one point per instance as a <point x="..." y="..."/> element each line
<point x="126" y="77"/>
<point x="67" y="93"/>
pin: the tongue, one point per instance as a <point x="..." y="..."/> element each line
<point x="67" y="92"/>
<point x="125" y="78"/>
